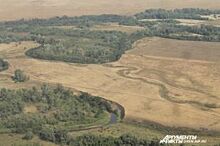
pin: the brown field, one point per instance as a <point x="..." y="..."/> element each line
<point x="189" y="22"/>
<point x="174" y="83"/>
<point x="30" y="109"/>
<point x="107" y="27"/>
<point x="17" y="9"/>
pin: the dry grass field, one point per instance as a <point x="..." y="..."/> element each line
<point x="171" y="82"/>
<point x="106" y="27"/>
<point x="17" y="9"/>
<point x="189" y="22"/>
<point x="117" y="27"/>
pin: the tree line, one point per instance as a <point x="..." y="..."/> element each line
<point x="93" y="140"/>
<point x="186" y="13"/>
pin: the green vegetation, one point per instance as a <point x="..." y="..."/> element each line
<point x="91" y="140"/>
<point x="57" y="109"/>
<point x="28" y="135"/>
<point x="20" y="76"/>
<point x="81" y="22"/>
<point x="86" y="46"/>
<point x="194" y="33"/>
<point x="79" y="46"/>
<point x="3" y="65"/>
<point x="187" y="13"/>
<point x="83" y="45"/>
<point x="61" y="137"/>
<point x="7" y="37"/>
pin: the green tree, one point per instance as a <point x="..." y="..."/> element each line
<point x="19" y="76"/>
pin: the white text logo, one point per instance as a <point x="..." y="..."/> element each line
<point x="182" y="139"/>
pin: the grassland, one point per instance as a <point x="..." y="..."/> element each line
<point x="117" y="27"/>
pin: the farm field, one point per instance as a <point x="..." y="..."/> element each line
<point x="50" y="8"/>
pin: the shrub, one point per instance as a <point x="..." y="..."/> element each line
<point x="19" y="76"/>
<point x="28" y="135"/>
<point x="3" y="65"/>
